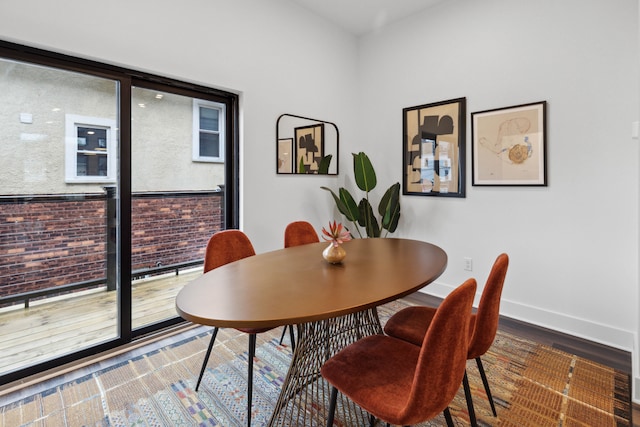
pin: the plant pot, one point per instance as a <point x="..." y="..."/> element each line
<point x="334" y="254"/>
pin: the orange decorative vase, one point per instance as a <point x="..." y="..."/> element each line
<point x="334" y="254"/>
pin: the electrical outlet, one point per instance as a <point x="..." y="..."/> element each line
<point x="468" y="264"/>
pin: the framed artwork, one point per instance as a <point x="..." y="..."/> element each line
<point x="434" y="149"/>
<point x="309" y="148"/>
<point x="509" y="146"/>
<point x="285" y="155"/>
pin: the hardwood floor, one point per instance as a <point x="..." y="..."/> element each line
<point x="609" y="356"/>
<point x="61" y="325"/>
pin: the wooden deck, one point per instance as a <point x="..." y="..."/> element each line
<point x="61" y="325"/>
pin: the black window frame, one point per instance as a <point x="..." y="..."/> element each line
<point x="128" y="78"/>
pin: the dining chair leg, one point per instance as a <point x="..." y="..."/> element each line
<point x="292" y="337"/>
<point x="332" y="406"/>
<point x="252" y="353"/>
<point x="206" y="357"/>
<point x="467" y="395"/>
<point x="447" y="416"/>
<point x="486" y="385"/>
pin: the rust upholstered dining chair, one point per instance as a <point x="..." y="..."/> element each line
<point x="224" y="247"/>
<point x="399" y="382"/>
<point x="411" y="323"/>
<point x="297" y="233"/>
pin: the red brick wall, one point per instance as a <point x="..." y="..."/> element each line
<point x="170" y="230"/>
<point x="52" y="241"/>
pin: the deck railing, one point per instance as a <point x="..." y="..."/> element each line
<point x="56" y="244"/>
<point x="25" y="297"/>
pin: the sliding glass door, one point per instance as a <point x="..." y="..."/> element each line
<point x="58" y="177"/>
<point x="177" y="203"/>
<point x="111" y="183"/>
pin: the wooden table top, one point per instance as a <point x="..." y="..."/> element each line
<point x="296" y="285"/>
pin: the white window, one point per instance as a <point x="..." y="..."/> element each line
<point x="90" y="149"/>
<point x="208" y="131"/>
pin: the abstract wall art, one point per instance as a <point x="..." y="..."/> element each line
<point x="434" y="149"/>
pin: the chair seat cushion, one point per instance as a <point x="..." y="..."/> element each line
<point x="410" y="324"/>
<point x="356" y="372"/>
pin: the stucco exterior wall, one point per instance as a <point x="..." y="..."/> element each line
<point x="36" y="101"/>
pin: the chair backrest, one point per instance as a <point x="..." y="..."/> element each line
<point x="484" y="324"/>
<point x="443" y="356"/>
<point x="299" y="233"/>
<point x="227" y="246"/>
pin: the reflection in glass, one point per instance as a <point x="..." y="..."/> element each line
<point x="306" y="146"/>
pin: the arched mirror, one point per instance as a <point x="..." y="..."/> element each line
<point x="306" y="146"/>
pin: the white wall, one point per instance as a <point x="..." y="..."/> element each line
<point x="276" y="55"/>
<point x="573" y="245"/>
<point x="636" y="353"/>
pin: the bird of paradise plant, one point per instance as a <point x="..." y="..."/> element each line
<point x="362" y="214"/>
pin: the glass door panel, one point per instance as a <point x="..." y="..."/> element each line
<point x="58" y="181"/>
<point x="177" y="182"/>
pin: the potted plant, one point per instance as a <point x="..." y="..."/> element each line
<point x="362" y="214"/>
<point x="337" y="235"/>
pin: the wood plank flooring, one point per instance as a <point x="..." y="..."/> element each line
<point x="57" y="326"/>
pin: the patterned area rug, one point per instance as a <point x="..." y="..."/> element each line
<point x="532" y="385"/>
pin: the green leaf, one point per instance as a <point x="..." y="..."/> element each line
<point x="323" y="168"/>
<point x="345" y="203"/>
<point x="363" y="171"/>
<point x="362" y="214"/>
<point x="393" y="223"/>
<point x="368" y="219"/>
<point x="389" y="207"/>
<point x="301" y="168"/>
<point x="352" y="213"/>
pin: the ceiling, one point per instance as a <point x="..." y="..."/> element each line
<point x="363" y="16"/>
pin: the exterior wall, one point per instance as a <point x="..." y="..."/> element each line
<point x="36" y="164"/>
<point x="161" y="152"/>
<point x="43" y="244"/>
<point x="161" y="133"/>
<point x="172" y="229"/>
<point x="56" y="241"/>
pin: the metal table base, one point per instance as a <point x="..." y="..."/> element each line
<point x="304" y="399"/>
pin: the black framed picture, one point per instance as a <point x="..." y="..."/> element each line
<point x="434" y="149"/>
<point x="309" y="148"/>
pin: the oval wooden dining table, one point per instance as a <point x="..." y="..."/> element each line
<point x="332" y="305"/>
